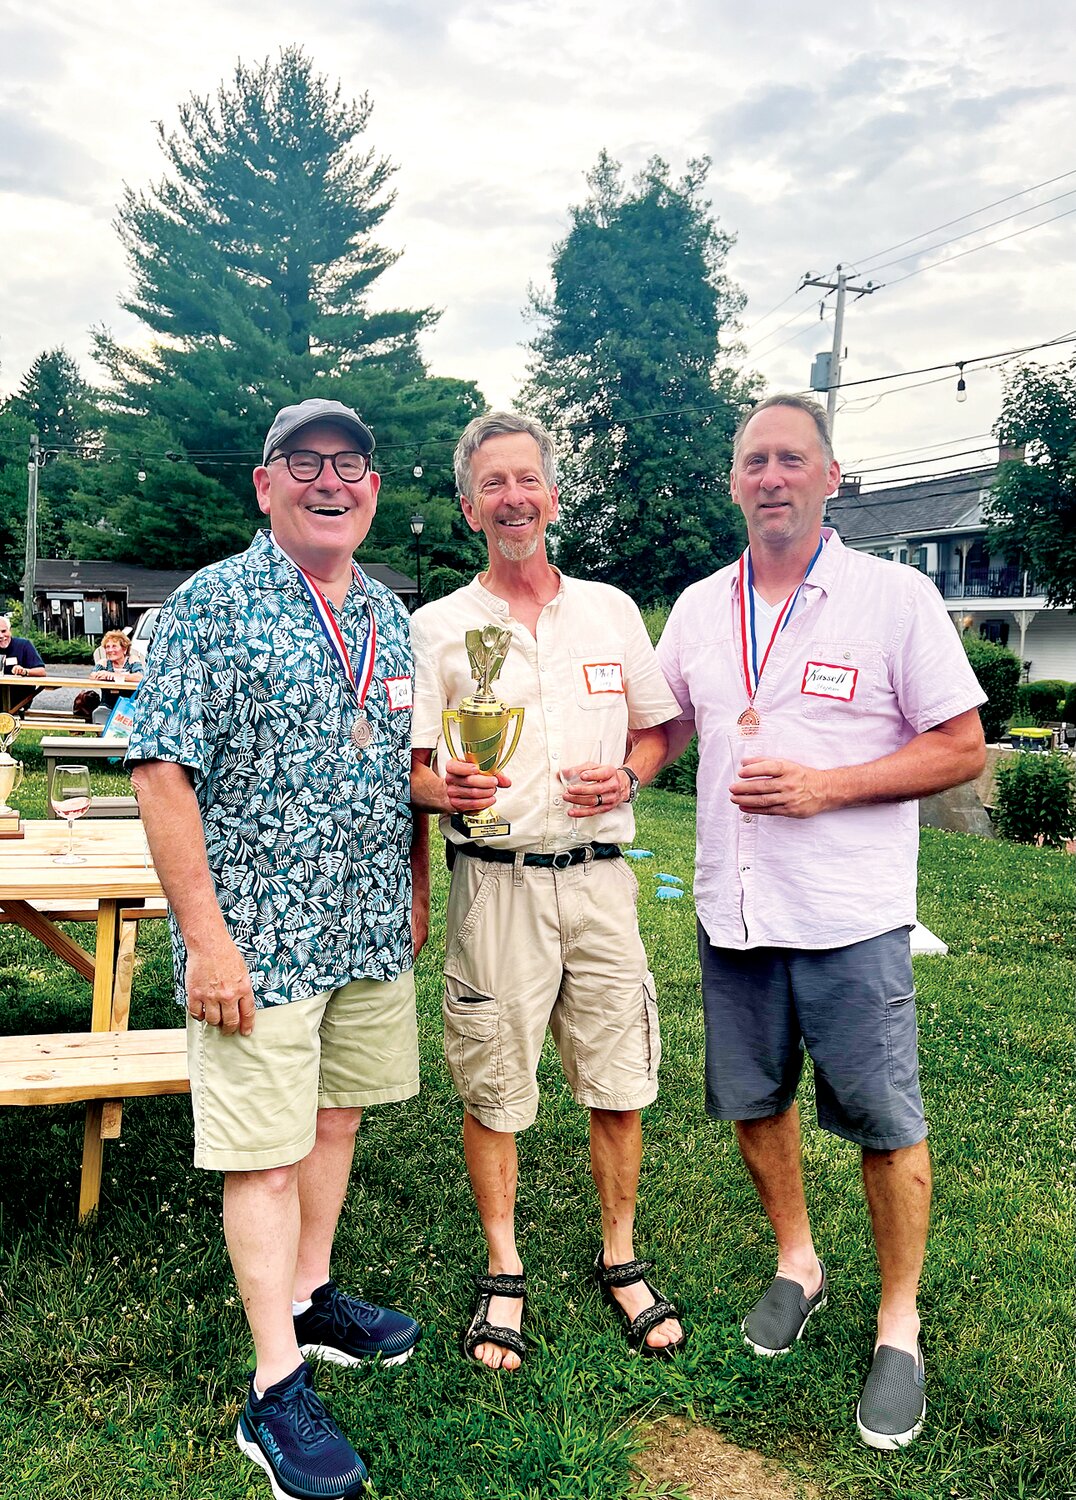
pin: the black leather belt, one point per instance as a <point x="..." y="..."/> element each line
<point x="563" y="859"/>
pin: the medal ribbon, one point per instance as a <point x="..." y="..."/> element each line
<point x="752" y="671"/>
<point x="332" y="633"/>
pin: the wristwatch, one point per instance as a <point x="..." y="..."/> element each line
<point x="633" y="783"/>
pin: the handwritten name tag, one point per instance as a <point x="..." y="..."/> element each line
<point x="400" y="691"/>
<point x="823" y="680"/>
<point x="604" y="676"/>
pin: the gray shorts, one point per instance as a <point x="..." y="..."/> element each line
<point x="851" y="1008"/>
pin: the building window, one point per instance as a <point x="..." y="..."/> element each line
<point x="996" y="631"/>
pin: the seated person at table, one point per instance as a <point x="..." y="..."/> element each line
<point x="19" y="655"/>
<point x="121" y="665"/>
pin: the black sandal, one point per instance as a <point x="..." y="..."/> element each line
<point x="636" y="1329"/>
<point x="481" y="1331"/>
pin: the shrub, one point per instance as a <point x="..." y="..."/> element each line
<point x="1035" y="798"/>
<point x="51" y="648"/>
<point x="1040" y="702"/>
<point x="654" y="619"/>
<point x="680" y="776"/>
<point x="998" y="673"/>
<point x="1069" y="713"/>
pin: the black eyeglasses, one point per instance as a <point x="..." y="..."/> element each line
<point x="305" y="465"/>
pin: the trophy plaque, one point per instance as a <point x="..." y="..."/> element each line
<point x="10" y="779"/>
<point x="484" y="722"/>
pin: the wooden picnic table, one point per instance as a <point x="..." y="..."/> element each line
<point x="108" y="1063"/>
<point x="18" y="695"/>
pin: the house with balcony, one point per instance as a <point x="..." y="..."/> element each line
<point x="937" y="525"/>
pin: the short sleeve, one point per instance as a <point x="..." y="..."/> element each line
<point x="668" y="653"/>
<point x="929" y="669"/>
<point x="185" y="696"/>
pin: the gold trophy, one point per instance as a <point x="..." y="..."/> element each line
<point x="10" y="780"/>
<point x="484" y="721"/>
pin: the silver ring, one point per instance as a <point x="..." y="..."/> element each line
<point x="598" y="800"/>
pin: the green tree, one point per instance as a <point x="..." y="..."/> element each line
<point x="626" y="372"/>
<point x="1033" y="503"/>
<point x="253" y="259"/>
<point x="54" y="402"/>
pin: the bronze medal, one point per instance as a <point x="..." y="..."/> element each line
<point x="749" y="721"/>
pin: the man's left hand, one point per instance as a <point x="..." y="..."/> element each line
<point x="780" y="787"/>
<point x="598" y="789"/>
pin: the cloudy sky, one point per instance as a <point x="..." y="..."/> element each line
<point x="837" y="134"/>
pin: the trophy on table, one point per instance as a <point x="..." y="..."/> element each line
<point x="10" y="779"/>
<point x="484" y="721"/>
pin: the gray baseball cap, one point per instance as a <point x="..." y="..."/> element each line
<point x="291" y="419"/>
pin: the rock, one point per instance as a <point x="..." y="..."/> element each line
<point x="958" y="810"/>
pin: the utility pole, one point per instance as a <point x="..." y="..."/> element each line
<point x="841" y="287"/>
<point x="32" y="466"/>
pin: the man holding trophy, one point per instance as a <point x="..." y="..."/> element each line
<point x="557" y="676"/>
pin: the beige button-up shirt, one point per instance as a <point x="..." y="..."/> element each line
<point x="588" y="677"/>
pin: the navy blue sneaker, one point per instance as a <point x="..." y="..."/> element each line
<point x="345" y="1330"/>
<point x="292" y="1437"/>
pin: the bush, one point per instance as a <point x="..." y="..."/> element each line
<point x="1069" y="713"/>
<point x="52" y="649"/>
<point x="654" y="619"/>
<point x="1035" y="798"/>
<point x="680" y="776"/>
<point x="1040" y="702"/>
<point x="998" y="673"/>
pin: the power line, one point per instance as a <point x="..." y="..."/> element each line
<point x="871" y="458"/>
<point x="946" y="260"/>
<point x="979" y="229"/>
<point x="865" y="261"/>
<point x="910" y="463"/>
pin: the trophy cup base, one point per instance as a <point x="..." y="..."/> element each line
<point x="486" y="824"/>
<point x="10" y="824"/>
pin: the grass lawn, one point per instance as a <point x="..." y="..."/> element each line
<point x="123" y="1350"/>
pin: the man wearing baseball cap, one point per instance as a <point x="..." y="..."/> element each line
<point x="271" y="748"/>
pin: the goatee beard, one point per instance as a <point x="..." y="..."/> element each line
<point x="517" y="551"/>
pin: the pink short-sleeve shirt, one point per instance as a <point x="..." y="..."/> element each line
<point x="868" y="660"/>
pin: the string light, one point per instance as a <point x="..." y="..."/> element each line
<point x="961" y="384"/>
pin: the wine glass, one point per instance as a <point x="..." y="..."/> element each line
<point x="70" y="800"/>
<point x="583" y="757"/>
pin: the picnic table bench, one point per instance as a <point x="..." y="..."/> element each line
<point x="118" y="888"/>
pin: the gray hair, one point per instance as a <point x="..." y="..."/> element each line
<point x="499" y="424"/>
<point x="5" y="620"/>
<point x="810" y="408"/>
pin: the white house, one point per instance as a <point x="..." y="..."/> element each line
<point x="937" y="526"/>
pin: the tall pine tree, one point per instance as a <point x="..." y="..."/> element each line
<point x="626" y="371"/>
<point x="252" y="260"/>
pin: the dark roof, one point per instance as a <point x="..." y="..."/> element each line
<point x="925" y="505"/>
<point x="143" y="585"/>
<point x="147" y="586"/>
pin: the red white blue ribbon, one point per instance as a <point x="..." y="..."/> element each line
<point x="323" y="613"/>
<point x="752" y="668"/>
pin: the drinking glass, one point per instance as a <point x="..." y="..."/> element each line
<point x="70" y="800"/>
<point x="582" y="758"/>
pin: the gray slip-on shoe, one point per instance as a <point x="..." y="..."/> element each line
<point x="894" y="1402"/>
<point x="780" y="1315"/>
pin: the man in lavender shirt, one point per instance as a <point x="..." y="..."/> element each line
<point x="829" y="691"/>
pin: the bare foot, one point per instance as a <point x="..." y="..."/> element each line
<point x="504" y="1312"/>
<point x="635" y="1299"/>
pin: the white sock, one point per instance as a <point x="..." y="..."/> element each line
<point x="301" y="1307"/>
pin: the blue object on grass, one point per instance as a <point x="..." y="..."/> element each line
<point x="671" y="879"/>
<point x="639" y="853"/>
<point x="668" y="893"/>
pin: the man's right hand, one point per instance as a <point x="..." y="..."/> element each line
<point x="469" y="789"/>
<point x="218" y="987"/>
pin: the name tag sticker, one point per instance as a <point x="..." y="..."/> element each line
<point x="604" y="676"/>
<point x="821" y="679"/>
<point x="400" y="691"/>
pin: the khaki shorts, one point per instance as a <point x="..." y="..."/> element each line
<point x="530" y="948"/>
<point x="256" y="1098"/>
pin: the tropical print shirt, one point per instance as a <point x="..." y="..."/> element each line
<point x="308" y="837"/>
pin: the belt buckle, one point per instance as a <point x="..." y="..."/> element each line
<point x="567" y="855"/>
